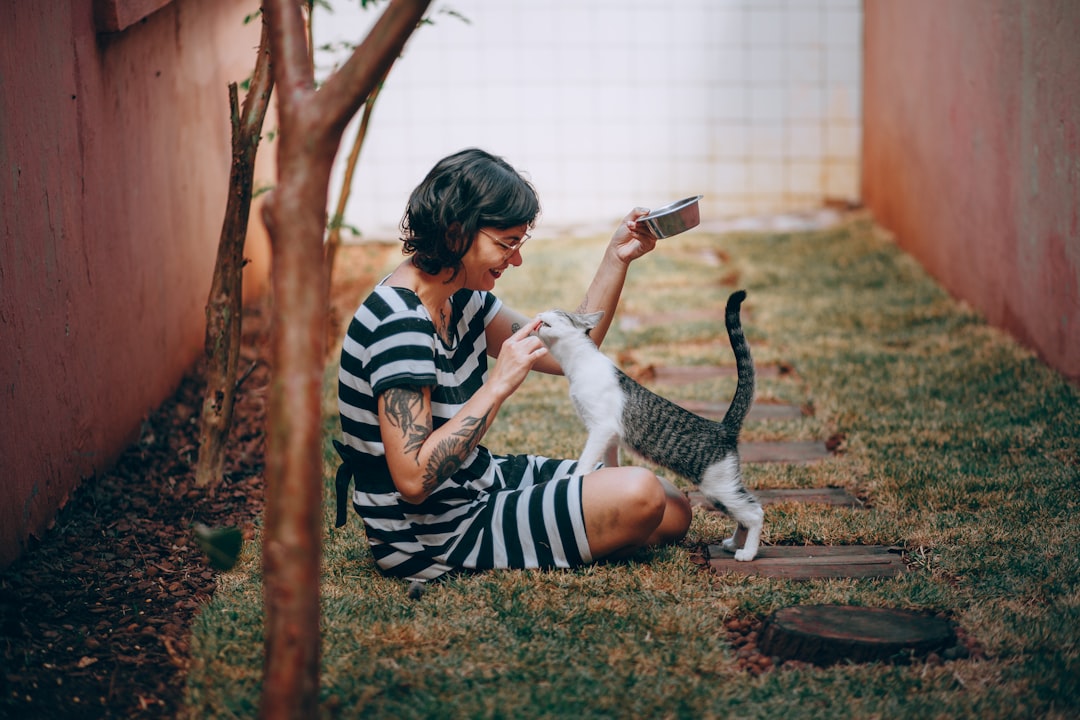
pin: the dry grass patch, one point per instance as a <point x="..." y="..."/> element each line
<point x="962" y="443"/>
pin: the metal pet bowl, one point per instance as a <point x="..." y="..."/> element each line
<point x="673" y="219"/>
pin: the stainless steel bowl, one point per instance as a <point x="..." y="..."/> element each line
<point x="673" y="219"/>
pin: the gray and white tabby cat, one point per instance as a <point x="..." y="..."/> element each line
<point x="615" y="408"/>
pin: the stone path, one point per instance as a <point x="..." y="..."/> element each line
<point x="683" y="374"/>
<point x="820" y="496"/>
<point x="809" y="562"/>
<point x="758" y="411"/>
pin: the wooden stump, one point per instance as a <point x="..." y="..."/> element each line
<point x="828" y="634"/>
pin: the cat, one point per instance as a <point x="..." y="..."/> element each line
<point x="616" y="408"/>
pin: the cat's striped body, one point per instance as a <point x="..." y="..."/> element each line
<point x="616" y="409"/>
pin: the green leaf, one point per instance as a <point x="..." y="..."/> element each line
<point x="221" y="545"/>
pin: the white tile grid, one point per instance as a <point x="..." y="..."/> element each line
<point x="612" y="103"/>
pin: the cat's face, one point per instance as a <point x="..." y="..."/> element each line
<point x="559" y="325"/>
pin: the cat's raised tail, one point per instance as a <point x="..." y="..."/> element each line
<point x="744" y="391"/>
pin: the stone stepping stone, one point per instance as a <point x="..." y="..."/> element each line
<point x="686" y="374"/>
<point x="828" y="634"/>
<point x="838" y="497"/>
<point x="792" y="452"/>
<point x="630" y="323"/>
<point x="812" y="562"/>
<point x="758" y="411"/>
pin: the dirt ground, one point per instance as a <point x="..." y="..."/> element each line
<point x="94" y="619"/>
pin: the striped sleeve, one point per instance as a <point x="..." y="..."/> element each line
<point x="402" y="352"/>
<point x="389" y="342"/>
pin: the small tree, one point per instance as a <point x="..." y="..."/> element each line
<point x="224" y="304"/>
<point x="311" y="124"/>
<point x="337" y="221"/>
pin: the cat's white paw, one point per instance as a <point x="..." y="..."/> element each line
<point x="743" y="544"/>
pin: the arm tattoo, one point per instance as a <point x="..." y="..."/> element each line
<point x="584" y="306"/>
<point x="449" y="455"/>
<point x="404" y="408"/>
<point x="514" y="327"/>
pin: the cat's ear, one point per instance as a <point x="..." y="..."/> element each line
<point x="591" y="320"/>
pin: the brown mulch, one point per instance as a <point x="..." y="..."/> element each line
<point x="94" y="619"/>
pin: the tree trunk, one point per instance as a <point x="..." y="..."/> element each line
<point x="311" y="124"/>
<point x="223" y="306"/>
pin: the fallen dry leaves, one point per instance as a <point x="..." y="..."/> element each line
<point x="94" y="618"/>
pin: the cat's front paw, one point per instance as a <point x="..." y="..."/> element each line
<point x="745" y="554"/>
<point x="729" y="545"/>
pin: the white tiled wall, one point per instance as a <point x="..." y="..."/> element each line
<point x="607" y="104"/>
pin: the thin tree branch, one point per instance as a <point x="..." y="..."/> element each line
<point x="262" y="84"/>
<point x="347" y="89"/>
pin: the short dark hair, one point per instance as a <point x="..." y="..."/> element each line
<point x="464" y="192"/>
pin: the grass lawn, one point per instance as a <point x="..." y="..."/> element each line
<point x="965" y="445"/>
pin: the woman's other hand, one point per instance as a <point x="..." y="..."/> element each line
<point x="630" y="241"/>
<point x="516" y="358"/>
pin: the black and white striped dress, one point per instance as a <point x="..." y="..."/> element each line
<point x="497" y="511"/>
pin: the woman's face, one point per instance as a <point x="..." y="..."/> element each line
<point x="492" y="252"/>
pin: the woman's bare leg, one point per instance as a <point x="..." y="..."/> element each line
<point x="677" y="516"/>
<point x="627" y="508"/>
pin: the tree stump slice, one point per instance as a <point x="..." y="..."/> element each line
<point x="828" y="634"/>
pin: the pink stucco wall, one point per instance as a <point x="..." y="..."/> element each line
<point x="971" y="155"/>
<point x="114" y="159"/>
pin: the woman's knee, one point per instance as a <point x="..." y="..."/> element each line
<point x="678" y="515"/>
<point x="645" y="494"/>
<point x="623" y="507"/>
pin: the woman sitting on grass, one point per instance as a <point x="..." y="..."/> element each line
<point x="416" y="397"/>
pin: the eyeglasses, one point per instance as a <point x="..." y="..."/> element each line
<point x="509" y="247"/>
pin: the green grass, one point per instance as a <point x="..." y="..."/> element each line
<point x="965" y="445"/>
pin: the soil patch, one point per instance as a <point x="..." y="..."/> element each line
<point x="94" y="619"/>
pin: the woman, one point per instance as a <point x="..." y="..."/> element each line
<point x="416" y="397"/>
